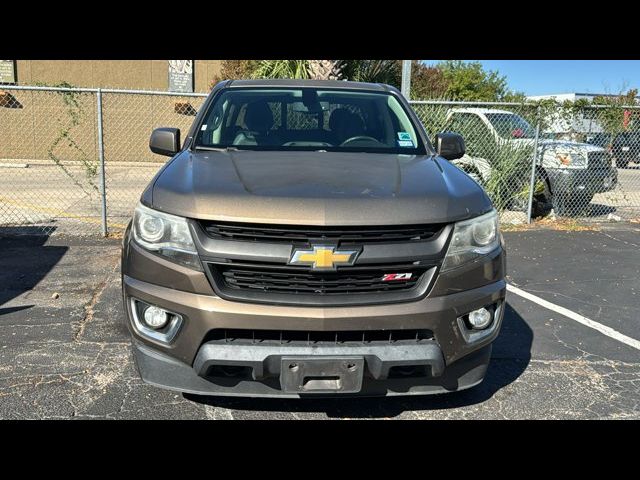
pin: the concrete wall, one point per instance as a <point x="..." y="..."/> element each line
<point x="126" y="74"/>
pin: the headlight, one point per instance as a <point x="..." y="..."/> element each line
<point x="166" y="235"/>
<point x="472" y="238"/>
<point x="571" y="160"/>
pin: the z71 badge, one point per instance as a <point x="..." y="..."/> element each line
<point x="393" y="277"/>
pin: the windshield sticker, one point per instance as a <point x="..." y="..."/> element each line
<point x="404" y="136"/>
<point x="405" y="143"/>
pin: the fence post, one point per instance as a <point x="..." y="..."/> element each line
<point x="534" y="159"/>
<point x="103" y="183"/>
<point x="406" y="79"/>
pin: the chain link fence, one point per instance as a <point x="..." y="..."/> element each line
<point x="546" y="158"/>
<point x="76" y="160"/>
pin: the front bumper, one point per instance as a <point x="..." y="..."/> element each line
<point x="631" y="155"/>
<point x="450" y="361"/>
<point x="163" y="371"/>
<point x="567" y="180"/>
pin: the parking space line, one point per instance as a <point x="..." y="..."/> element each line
<point x="608" y="331"/>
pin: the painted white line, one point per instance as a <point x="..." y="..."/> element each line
<point x="14" y="165"/>
<point x="608" y="331"/>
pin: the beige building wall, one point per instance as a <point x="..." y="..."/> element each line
<point x="39" y="125"/>
<point x="126" y="74"/>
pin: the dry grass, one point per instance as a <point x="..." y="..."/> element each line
<point x="562" y="224"/>
<point x="116" y="234"/>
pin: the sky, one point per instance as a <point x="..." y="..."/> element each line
<point x="541" y="77"/>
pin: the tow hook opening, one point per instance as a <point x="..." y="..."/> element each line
<point x="229" y="371"/>
<point x="409" y="371"/>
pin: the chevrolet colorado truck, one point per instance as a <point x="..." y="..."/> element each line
<point x="308" y="239"/>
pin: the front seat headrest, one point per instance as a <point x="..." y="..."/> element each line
<point x="258" y="117"/>
<point x="337" y="118"/>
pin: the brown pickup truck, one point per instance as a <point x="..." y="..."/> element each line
<point x="308" y="239"/>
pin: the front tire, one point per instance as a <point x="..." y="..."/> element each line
<point x="571" y="205"/>
<point x="542" y="203"/>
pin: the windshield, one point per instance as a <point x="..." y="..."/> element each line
<point x="308" y="119"/>
<point x="509" y="125"/>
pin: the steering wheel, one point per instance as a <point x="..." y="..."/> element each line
<point x="359" y="138"/>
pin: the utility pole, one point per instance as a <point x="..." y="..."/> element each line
<point x="406" y="79"/>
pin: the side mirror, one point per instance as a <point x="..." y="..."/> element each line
<point x="449" y="145"/>
<point x="165" y="141"/>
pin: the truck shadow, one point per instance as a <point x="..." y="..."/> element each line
<point x="510" y="357"/>
<point x="597" y="210"/>
<point x="25" y="261"/>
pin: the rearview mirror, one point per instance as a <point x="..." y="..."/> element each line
<point x="449" y="145"/>
<point x="165" y="141"/>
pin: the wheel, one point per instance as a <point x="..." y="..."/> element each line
<point x="570" y="205"/>
<point x="542" y="203"/>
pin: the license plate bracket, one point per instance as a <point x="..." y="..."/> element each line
<point x="318" y="375"/>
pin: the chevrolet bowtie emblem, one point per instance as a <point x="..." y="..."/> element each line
<point x="323" y="257"/>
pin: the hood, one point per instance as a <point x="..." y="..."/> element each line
<point x="569" y="145"/>
<point x="316" y="188"/>
<point x="558" y="144"/>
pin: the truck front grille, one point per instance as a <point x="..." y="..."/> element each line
<point x="282" y="284"/>
<point x="249" y="262"/>
<point x="599" y="160"/>
<point x="294" y="280"/>
<point x="297" y="233"/>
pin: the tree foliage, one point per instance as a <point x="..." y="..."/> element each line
<point x="235" y="70"/>
<point x="618" y="118"/>
<point x="298" y="69"/>
<point x="458" y="80"/>
<point x="374" y="71"/>
<point x="449" y="79"/>
<point x="427" y="82"/>
<point x="469" y="81"/>
<point x="326" y="69"/>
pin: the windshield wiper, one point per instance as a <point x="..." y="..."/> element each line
<point x="216" y="149"/>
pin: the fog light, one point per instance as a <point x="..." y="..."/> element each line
<point x="480" y="318"/>
<point x="154" y="323"/>
<point x="156" y="317"/>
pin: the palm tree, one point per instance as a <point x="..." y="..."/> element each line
<point x="326" y="69"/>
<point x="282" y="69"/>
<point x="314" y="69"/>
<point x="385" y="71"/>
<point x="374" y="71"/>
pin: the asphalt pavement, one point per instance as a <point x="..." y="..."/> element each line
<point x="65" y="350"/>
